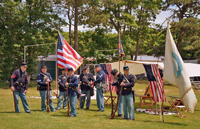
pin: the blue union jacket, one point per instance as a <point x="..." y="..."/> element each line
<point x="100" y="77"/>
<point x="73" y="83"/>
<point x="42" y="81"/>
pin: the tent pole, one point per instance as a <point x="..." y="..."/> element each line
<point x="119" y="65"/>
<point x="163" y="102"/>
<point x="156" y="89"/>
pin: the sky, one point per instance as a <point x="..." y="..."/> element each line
<point x="159" y="20"/>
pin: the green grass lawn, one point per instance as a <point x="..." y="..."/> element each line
<point x="90" y="118"/>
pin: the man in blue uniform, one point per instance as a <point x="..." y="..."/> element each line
<point x="85" y="78"/>
<point x="127" y="94"/>
<point x="62" y="79"/>
<point x="119" y="78"/>
<point x="19" y="86"/>
<point x="72" y="83"/>
<point x="98" y="83"/>
<point x="43" y="79"/>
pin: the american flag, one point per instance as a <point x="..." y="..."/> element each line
<point x="120" y="48"/>
<point x="111" y="79"/>
<point x="107" y="70"/>
<point x="66" y="55"/>
<point x="153" y="75"/>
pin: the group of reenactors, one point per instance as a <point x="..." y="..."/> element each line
<point x="67" y="80"/>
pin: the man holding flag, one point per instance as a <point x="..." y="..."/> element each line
<point x="68" y="58"/>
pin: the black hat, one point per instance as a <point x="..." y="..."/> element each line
<point x="70" y="68"/>
<point x="85" y="67"/>
<point x="125" y="67"/>
<point x="24" y="64"/>
<point x="63" y="69"/>
<point x="97" y="66"/>
<point x="44" y="66"/>
<point x="114" y="71"/>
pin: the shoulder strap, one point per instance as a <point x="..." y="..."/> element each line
<point x="126" y="78"/>
<point x="19" y="77"/>
<point x="86" y="79"/>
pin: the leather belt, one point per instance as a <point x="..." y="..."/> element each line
<point x="127" y="88"/>
<point x="70" y="87"/>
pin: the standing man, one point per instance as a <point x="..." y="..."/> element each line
<point x="62" y="79"/>
<point x="119" y="77"/>
<point x="85" y="77"/>
<point x="43" y="79"/>
<point x="72" y="83"/>
<point x="19" y="86"/>
<point x="127" y="94"/>
<point x="98" y="83"/>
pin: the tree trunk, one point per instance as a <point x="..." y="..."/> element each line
<point x="76" y="27"/>
<point x="137" y="50"/>
<point x="70" y="28"/>
<point x="180" y="37"/>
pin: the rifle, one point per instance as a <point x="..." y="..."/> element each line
<point x="67" y="102"/>
<point x="91" y="89"/>
<point x="14" y="101"/>
<point x="113" y="115"/>
<point x="48" y="98"/>
<point x="111" y="99"/>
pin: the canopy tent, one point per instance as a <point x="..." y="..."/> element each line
<point x="136" y="67"/>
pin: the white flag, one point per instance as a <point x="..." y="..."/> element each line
<point x="176" y="74"/>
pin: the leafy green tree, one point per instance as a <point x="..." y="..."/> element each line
<point x="23" y="24"/>
<point x="186" y="13"/>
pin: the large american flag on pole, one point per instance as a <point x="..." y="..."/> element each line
<point x="66" y="55"/>
<point x="154" y="78"/>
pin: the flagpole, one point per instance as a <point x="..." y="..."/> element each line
<point x="168" y="22"/>
<point x="57" y="68"/>
<point x="118" y="48"/>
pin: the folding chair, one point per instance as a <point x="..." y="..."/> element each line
<point x="179" y="108"/>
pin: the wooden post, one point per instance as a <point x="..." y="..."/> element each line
<point x="57" y="80"/>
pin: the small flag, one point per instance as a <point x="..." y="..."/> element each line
<point x="66" y="55"/>
<point x="120" y="48"/>
<point x="155" y="82"/>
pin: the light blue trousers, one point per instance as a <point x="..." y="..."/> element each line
<point x="43" y="95"/>
<point x="120" y="106"/>
<point x="87" y="93"/>
<point x="22" y="95"/>
<point x="100" y="99"/>
<point x="60" y="100"/>
<point x="72" y="100"/>
<point x="128" y="106"/>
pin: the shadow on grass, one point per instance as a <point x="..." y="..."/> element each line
<point x="9" y="112"/>
<point x="170" y="123"/>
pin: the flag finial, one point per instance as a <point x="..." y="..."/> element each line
<point x="168" y="21"/>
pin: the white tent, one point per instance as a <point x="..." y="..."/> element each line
<point x="136" y="67"/>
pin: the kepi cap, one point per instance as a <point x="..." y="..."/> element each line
<point x="63" y="69"/>
<point x="97" y="65"/>
<point x="44" y="66"/>
<point x="85" y="67"/>
<point x="70" y="69"/>
<point x="24" y="64"/>
<point x="125" y="67"/>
